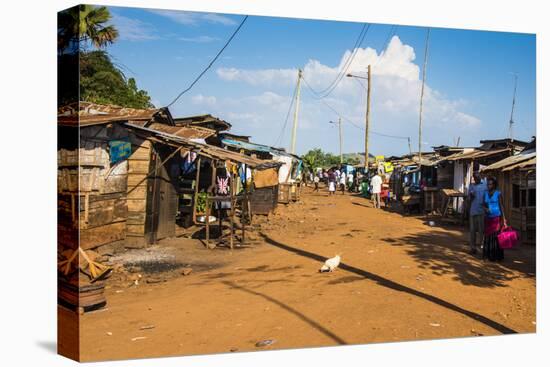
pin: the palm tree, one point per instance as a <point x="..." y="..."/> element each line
<point x="85" y="23"/>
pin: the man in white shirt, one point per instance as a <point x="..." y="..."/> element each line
<point x="376" y="188"/>
<point x="343" y="182"/>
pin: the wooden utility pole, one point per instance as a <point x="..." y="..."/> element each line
<point x="511" y="123"/>
<point x="296" y="109"/>
<point x="340" y="134"/>
<point x="421" y="105"/>
<point x="367" y="120"/>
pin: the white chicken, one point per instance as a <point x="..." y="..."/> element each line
<point x="330" y="264"/>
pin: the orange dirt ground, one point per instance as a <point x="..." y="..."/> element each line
<point x="400" y="279"/>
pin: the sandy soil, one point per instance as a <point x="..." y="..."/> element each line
<point x="400" y="280"/>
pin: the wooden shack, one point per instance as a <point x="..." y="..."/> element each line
<point x="93" y="176"/>
<point x="266" y="191"/>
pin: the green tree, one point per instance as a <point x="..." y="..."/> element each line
<point x="85" y="24"/>
<point x="102" y="82"/>
<point x="91" y="75"/>
<point x="316" y="158"/>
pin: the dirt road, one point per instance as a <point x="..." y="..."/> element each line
<point x="400" y="280"/>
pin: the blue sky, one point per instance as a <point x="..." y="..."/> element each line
<point x="468" y="94"/>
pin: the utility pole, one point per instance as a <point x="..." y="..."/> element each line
<point x="511" y="123"/>
<point x="296" y="110"/>
<point x="421" y="105"/>
<point x="340" y="136"/>
<point x="367" y="117"/>
<point x="367" y="120"/>
<point x="340" y="133"/>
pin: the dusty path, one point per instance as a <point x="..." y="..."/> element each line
<point x="400" y="280"/>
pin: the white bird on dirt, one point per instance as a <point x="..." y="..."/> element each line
<point x="330" y="264"/>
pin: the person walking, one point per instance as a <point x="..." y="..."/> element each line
<point x="316" y="183"/>
<point x="494" y="221"/>
<point x="351" y="181"/>
<point x="343" y="182"/>
<point x="476" y="194"/>
<point x="376" y="188"/>
<point x="331" y="182"/>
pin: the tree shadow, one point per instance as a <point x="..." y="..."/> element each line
<point x="445" y="254"/>
<point x="395" y="286"/>
<point x="291" y="310"/>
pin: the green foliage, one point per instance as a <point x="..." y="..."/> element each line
<point x="317" y="158"/>
<point x="91" y="75"/>
<point x="200" y="207"/>
<point x="85" y="24"/>
<point x="102" y="82"/>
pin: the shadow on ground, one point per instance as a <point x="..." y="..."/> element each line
<point x="289" y="309"/>
<point x="444" y="253"/>
<point x="384" y="282"/>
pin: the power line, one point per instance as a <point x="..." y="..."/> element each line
<point x="328" y="90"/>
<point x="386" y="44"/>
<point x="350" y="121"/>
<point x="287" y="116"/>
<point x="211" y="62"/>
<point x="357" y="42"/>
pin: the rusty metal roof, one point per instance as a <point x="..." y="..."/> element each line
<point x="476" y="154"/>
<point x="204" y="121"/>
<point x="511" y="162"/>
<point x="206" y="150"/>
<point x="183" y="131"/>
<point x="88" y="114"/>
<point x="531" y="163"/>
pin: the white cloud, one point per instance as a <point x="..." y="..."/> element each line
<point x="199" y="39"/>
<point x="194" y="18"/>
<point x="266" y="77"/>
<point x="396" y="85"/>
<point x="200" y="99"/>
<point x="131" y="29"/>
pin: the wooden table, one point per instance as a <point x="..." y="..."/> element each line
<point x="233" y="200"/>
<point x="450" y="198"/>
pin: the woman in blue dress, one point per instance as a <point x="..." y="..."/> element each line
<point x="494" y="221"/>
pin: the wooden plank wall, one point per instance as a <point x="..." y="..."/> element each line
<point x="102" y="206"/>
<point x="138" y="168"/>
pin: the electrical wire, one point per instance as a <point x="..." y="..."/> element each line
<point x="346" y="119"/>
<point x="287" y="116"/>
<point x="328" y="90"/>
<point x="211" y="62"/>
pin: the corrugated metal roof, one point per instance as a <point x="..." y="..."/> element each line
<point x="256" y="147"/>
<point x="206" y="150"/>
<point x="510" y="161"/>
<point x="88" y="114"/>
<point x="183" y="131"/>
<point x="476" y="154"/>
<point x="528" y="163"/>
<point x="202" y="120"/>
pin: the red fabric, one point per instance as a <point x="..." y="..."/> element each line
<point x="492" y="225"/>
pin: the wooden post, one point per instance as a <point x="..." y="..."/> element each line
<point x="207" y="222"/>
<point x="196" y="196"/>
<point x="367" y="121"/>
<point x="244" y="205"/>
<point x="296" y="109"/>
<point x="231" y="210"/>
<point x="340" y="135"/>
<point x="421" y="107"/>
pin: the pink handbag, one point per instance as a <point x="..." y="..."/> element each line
<point x="507" y="238"/>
